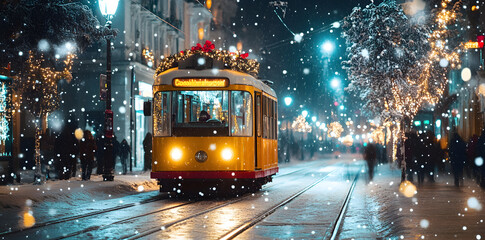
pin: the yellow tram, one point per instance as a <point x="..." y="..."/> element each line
<point x="212" y="129"/>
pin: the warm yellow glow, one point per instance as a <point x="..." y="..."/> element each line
<point x="176" y="154"/>
<point x="301" y="125"/>
<point x="227" y="154"/>
<point x="481" y="89"/>
<point x="79" y="134"/>
<point x="239" y="46"/>
<point x="474" y="8"/>
<point x="200" y="82"/>
<point x="335" y="129"/>
<point x="208" y="4"/>
<point x="472" y="45"/>
<point x="348" y="140"/>
<point x="407" y="189"/>
<point x="201" y="33"/>
<point x="28" y="219"/>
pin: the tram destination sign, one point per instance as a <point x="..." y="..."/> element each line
<point x="200" y="82"/>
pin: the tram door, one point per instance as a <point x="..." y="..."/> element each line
<point x="258" y="129"/>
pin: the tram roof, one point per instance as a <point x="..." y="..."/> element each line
<point x="237" y="78"/>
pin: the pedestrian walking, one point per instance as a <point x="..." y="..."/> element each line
<point x="87" y="149"/>
<point x="124" y="152"/>
<point x="481" y="157"/>
<point x="100" y="153"/>
<point x="421" y="157"/>
<point x="471" y="154"/>
<point x="47" y="143"/>
<point x="147" y="148"/>
<point x="370" y="155"/>
<point x="409" y="152"/>
<point x="457" y="152"/>
<point x="67" y="149"/>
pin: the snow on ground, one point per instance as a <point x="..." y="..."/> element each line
<point x="439" y="210"/>
<point x="60" y="198"/>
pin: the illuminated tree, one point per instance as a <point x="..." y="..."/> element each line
<point x="396" y="65"/>
<point x="44" y="26"/>
<point x="37" y="86"/>
<point x="37" y="38"/>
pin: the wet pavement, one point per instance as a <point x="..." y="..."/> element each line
<point x="377" y="210"/>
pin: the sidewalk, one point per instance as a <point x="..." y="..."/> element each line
<point x="64" y="197"/>
<point x="439" y="210"/>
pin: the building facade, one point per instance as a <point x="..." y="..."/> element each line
<point x="148" y="30"/>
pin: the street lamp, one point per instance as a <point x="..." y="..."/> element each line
<point x="288" y="101"/>
<point x="304" y="113"/>
<point x="328" y="47"/>
<point x="108" y="9"/>
<point x="335" y="83"/>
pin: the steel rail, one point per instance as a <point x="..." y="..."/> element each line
<point x="232" y="234"/>
<point x="80" y="216"/>
<point x="340" y="217"/>
<point x="165" y="226"/>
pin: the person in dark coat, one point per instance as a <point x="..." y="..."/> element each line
<point x="457" y="151"/>
<point x="124" y="152"/>
<point x="370" y="155"/>
<point x="87" y="149"/>
<point x="147" y="148"/>
<point x="471" y="152"/>
<point x="421" y="154"/>
<point x="481" y="154"/>
<point x="100" y="153"/>
<point x="67" y="149"/>
<point x="409" y="158"/>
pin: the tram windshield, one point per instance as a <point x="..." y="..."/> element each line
<point x="203" y="113"/>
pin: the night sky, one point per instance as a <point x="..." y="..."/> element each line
<point x="270" y="40"/>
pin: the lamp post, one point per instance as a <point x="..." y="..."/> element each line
<point x="108" y="9"/>
<point x="288" y="101"/>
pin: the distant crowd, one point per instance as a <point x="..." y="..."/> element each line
<point x="424" y="158"/>
<point x="64" y="154"/>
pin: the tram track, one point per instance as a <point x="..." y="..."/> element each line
<point x="170" y="224"/>
<point x="336" y="226"/>
<point x="79" y="216"/>
<point x="338" y="221"/>
<point x="124" y="206"/>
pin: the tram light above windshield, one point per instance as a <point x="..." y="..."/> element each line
<point x="227" y="154"/>
<point x="200" y="82"/>
<point x="176" y="154"/>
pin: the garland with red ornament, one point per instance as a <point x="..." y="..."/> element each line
<point x="234" y="61"/>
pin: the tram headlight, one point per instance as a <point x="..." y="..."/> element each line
<point x="227" y="154"/>
<point x="176" y="154"/>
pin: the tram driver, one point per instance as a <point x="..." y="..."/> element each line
<point x="204" y="116"/>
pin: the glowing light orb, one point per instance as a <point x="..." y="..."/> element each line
<point x="479" y="161"/>
<point x="424" y="223"/>
<point x="79" y="134"/>
<point x="466" y="74"/>
<point x="473" y="203"/>
<point x="28" y="219"/>
<point x="407" y="189"/>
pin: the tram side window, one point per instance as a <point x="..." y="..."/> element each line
<point x="265" y="117"/>
<point x="161" y="114"/>
<point x="275" y="115"/>
<point x="241" y="113"/>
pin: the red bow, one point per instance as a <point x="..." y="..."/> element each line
<point x="197" y="47"/>
<point x="244" y="56"/>
<point x="208" y="46"/>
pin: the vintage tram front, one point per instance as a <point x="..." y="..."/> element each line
<point x="214" y="129"/>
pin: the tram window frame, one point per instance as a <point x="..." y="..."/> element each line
<point x="257" y="115"/>
<point x="275" y="104"/>
<point x="265" y="117"/>
<point x="182" y="128"/>
<point x="162" y="100"/>
<point x="247" y="121"/>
